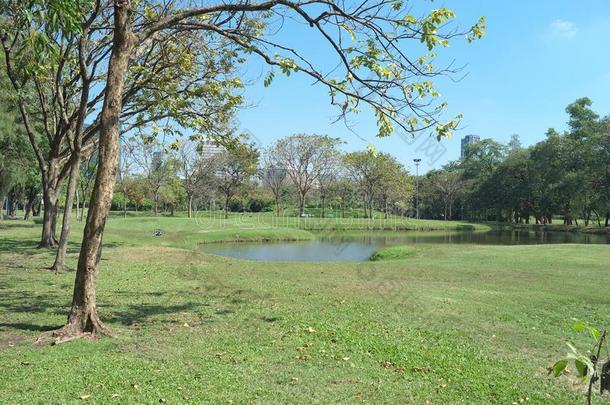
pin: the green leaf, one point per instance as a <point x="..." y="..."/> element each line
<point x="559" y="367"/>
<point x="581" y="368"/>
<point x="595" y="333"/>
<point x="579" y="326"/>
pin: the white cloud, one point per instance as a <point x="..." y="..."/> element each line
<point x="563" y="28"/>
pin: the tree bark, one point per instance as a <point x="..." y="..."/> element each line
<point x="50" y="196"/>
<point x="190" y="205"/>
<point x="60" y="257"/>
<point x="83" y="319"/>
<point x="36" y="207"/>
<point x="278" y="208"/>
<point x="77" y="195"/>
<point x="607" y="219"/>
<point x="83" y="207"/>
<point x="27" y="208"/>
<point x="323" y="204"/>
<point x="301" y="204"/>
<point x="125" y="204"/>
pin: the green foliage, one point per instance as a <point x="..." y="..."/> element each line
<point x="39" y="26"/>
<point x="587" y="364"/>
<point x="565" y="174"/>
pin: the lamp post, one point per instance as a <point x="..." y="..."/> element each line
<point x="417" y="161"/>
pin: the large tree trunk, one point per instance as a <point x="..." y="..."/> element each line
<point x="77" y="196"/>
<point x="27" y="208"/>
<point x="36" y="207"/>
<point x="607" y="219"/>
<point x="60" y="257"/>
<point x="83" y="207"/>
<point x="51" y="187"/>
<point x="83" y="318"/>
<point x="11" y="210"/>
<point x="50" y="196"/>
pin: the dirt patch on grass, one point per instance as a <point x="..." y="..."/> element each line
<point x="13" y="340"/>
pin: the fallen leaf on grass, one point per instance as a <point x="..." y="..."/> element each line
<point x="85" y="397"/>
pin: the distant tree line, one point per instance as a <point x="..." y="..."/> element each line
<point x="298" y="175"/>
<point x="567" y="175"/>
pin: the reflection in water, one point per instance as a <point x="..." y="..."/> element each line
<point x="347" y="247"/>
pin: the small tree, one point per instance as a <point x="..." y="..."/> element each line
<point x="448" y="185"/>
<point x="395" y="187"/>
<point x="234" y="168"/>
<point x="364" y="169"/>
<point x="172" y="194"/>
<point x="588" y="365"/>
<point x="157" y="164"/>
<point x="273" y="176"/>
<point x="305" y="158"/>
<point x="190" y="163"/>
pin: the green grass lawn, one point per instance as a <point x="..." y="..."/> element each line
<point x="441" y="323"/>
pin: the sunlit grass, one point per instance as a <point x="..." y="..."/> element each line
<point x="450" y="323"/>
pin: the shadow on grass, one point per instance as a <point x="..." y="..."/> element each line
<point x="12" y="224"/>
<point x="28" y="326"/>
<point x="30" y="247"/>
<point x="138" y="314"/>
<point x="22" y="246"/>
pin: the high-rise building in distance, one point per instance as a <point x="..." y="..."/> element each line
<point x="467" y="140"/>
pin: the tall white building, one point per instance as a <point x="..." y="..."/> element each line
<point x="210" y="149"/>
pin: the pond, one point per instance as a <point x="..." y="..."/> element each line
<point x="358" y="247"/>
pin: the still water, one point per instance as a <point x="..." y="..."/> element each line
<point x="348" y="247"/>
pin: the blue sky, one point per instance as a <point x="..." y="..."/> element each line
<point x="537" y="57"/>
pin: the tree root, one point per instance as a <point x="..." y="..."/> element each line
<point x="90" y="328"/>
<point x="58" y="269"/>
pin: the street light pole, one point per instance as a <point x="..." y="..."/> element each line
<point x="417" y="161"/>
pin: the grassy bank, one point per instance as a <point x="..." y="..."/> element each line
<point x="212" y="227"/>
<point x="592" y="229"/>
<point x="394" y="253"/>
<point x="450" y="323"/>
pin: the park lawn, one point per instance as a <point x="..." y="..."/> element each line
<point x="450" y="323"/>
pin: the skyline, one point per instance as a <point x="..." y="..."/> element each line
<point x="533" y="62"/>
